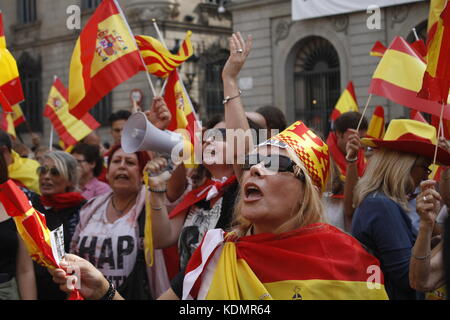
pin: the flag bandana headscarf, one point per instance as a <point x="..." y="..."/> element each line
<point x="317" y="262"/>
<point x="31" y="226"/>
<point x="306" y="149"/>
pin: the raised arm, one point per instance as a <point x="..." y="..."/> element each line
<point x="235" y="117"/>
<point x="426" y="270"/>
<point x="351" y="179"/>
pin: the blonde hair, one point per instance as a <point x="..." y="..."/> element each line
<point x="389" y="172"/>
<point x="67" y="165"/>
<point x="305" y="211"/>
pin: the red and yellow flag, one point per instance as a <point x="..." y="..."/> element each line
<point x="70" y="129"/>
<point x="436" y="79"/>
<point x="10" y="86"/>
<point x="398" y="77"/>
<point x="328" y="265"/>
<point x="183" y="113"/>
<point x="347" y="102"/>
<point x="376" y="125"/>
<point x="7" y="123"/>
<point x="378" y="49"/>
<point x="105" y="55"/>
<point x="31" y="226"/>
<point x="160" y="61"/>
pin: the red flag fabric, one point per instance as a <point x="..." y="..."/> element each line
<point x="416" y="115"/>
<point x="105" y="55"/>
<point x="436" y="80"/>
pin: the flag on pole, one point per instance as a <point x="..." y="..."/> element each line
<point x="31" y="226"/>
<point x="347" y="102"/>
<point x="436" y="79"/>
<point x="376" y="126"/>
<point x="17" y="115"/>
<point x="7" y="123"/>
<point x="378" y="49"/>
<point x="160" y="61"/>
<point x="182" y="110"/>
<point x="105" y="55"/>
<point x="10" y="86"/>
<point x="398" y="77"/>
<point x="70" y="129"/>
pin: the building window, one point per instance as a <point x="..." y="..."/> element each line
<point x="90" y="4"/>
<point x="103" y="110"/>
<point x="212" y="62"/>
<point x="26" y="11"/>
<point x="316" y="83"/>
<point x="30" y="75"/>
<point x="421" y="31"/>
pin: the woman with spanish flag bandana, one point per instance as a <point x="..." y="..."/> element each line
<point x="279" y="248"/>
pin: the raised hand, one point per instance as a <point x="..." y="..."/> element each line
<point x="239" y="51"/>
<point x="428" y="202"/>
<point x="159" y="114"/>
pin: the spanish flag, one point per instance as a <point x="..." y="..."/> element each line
<point x="398" y="77"/>
<point x="376" y="126"/>
<point x="436" y="79"/>
<point x="10" y="86"/>
<point x="105" y="55"/>
<point x="347" y="102"/>
<point x="7" y="123"/>
<point x="378" y="49"/>
<point x="70" y="129"/>
<point x="184" y="118"/>
<point x="160" y="61"/>
<point x="31" y="226"/>
<point x="317" y="262"/>
<point x="17" y="115"/>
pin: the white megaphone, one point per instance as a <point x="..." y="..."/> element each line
<point x="139" y="134"/>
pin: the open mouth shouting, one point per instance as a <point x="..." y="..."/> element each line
<point x="252" y="192"/>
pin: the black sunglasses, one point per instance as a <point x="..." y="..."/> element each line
<point x="277" y="163"/>
<point x="44" y="170"/>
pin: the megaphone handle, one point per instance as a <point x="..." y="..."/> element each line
<point x="170" y="166"/>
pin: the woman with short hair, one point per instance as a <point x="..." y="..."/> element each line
<point x="60" y="201"/>
<point x="91" y="165"/>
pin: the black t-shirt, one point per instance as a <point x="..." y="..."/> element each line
<point x="223" y="222"/>
<point x="9" y="245"/>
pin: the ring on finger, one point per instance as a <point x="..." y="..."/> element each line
<point x="239" y="51"/>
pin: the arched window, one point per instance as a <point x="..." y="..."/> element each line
<point x="30" y="75"/>
<point x="316" y="83"/>
<point x="212" y="62"/>
<point x="421" y="31"/>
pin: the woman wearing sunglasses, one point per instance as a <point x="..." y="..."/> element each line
<point x="381" y="222"/>
<point x="278" y="247"/>
<point x="60" y="202"/>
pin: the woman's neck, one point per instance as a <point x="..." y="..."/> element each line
<point x="220" y="171"/>
<point x="84" y="180"/>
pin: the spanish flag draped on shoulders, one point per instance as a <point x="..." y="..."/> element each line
<point x="316" y="262"/>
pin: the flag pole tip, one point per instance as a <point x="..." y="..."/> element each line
<point x="153" y="20"/>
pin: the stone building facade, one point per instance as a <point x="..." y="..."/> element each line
<point x="38" y="36"/>
<point x="303" y="66"/>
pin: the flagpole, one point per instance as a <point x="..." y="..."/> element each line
<point x="152" y="88"/>
<point x="439" y="133"/>
<point x="364" y="111"/>
<point x="415" y="34"/>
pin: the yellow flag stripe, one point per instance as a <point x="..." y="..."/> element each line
<point x="401" y="70"/>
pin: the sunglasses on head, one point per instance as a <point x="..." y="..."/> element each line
<point x="44" y="170"/>
<point x="276" y="163"/>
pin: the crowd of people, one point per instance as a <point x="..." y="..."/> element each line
<point x="296" y="216"/>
